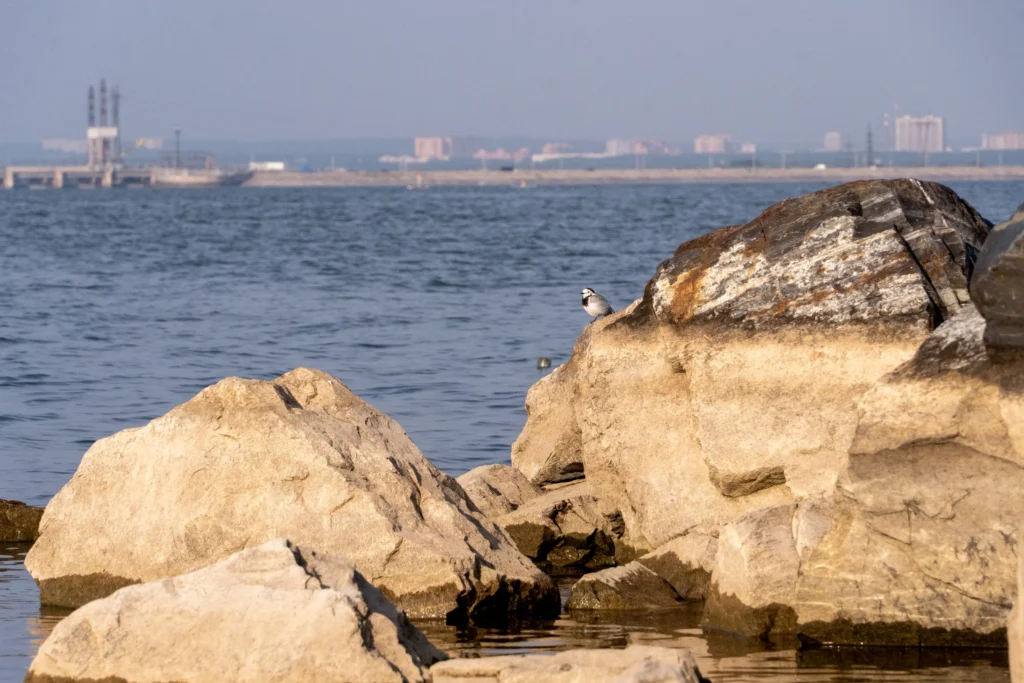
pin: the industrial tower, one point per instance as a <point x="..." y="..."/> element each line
<point x="104" y="141"/>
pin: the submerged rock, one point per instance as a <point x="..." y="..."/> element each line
<point x="732" y="384"/>
<point x="301" y="456"/>
<point x="19" y="523"/>
<point x="998" y="284"/>
<point x="634" y="664"/>
<point x="275" y="612"/>
<point x="626" y="588"/>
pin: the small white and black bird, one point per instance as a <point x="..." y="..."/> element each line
<point x="595" y="304"/>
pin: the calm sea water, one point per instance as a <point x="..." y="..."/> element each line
<point x="433" y="305"/>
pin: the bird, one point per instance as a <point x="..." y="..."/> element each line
<point x="595" y="304"/>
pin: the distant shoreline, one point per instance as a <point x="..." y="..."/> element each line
<point x="423" y="179"/>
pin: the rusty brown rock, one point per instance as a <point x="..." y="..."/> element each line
<point x="19" y="523"/>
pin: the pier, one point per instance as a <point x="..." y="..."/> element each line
<point x="61" y="177"/>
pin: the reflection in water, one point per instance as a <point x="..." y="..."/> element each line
<point x="724" y="657"/>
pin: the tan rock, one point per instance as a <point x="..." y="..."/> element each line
<point x="686" y="563"/>
<point x="551" y="451"/>
<point x="498" y="489"/>
<point x="918" y="545"/>
<point x="563" y="528"/>
<point x="732" y="385"/>
<point x="924" y="547"/>
<point x="1015" y="629"/>
<point x="270" y="613"/>
<point x="301" y="456"/>
<point x="634" y="664"/>
<point x="19" y="523"/>
<point x="629" y="587"/>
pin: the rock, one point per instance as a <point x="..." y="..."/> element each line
<point x="918" y="545"/>
<point x="923" y="549"/>
<point x="275" y="612"/>
<point x="634" y="664"/>
<point x="301" y="456"/>
<point x="562" y="529"/>
<point x="19" y="523"/>
<point x="998" y="284"/>
<point x="755" y="574"/>
<point x="630" y="587"/>
<point x="551" y="451"/>
<point x="685" y="563"/>
<point x="732" y="384"/>
<point x="1015" y="628"/>
<point x="498" y="489"/>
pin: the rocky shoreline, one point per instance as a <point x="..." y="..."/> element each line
<point x="811" y="425"/>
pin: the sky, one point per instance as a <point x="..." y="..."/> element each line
<point x="770" y="72"/>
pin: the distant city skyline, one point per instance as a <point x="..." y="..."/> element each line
<point x="770" y="73"/>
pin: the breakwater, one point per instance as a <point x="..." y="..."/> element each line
<point x="657" y="176"/>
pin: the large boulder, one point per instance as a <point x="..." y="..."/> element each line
<point x="998" y="284"/>
<point x="918" y="547"/>
<point x="275" y="612"/>
<point x="1015" y="629"/>
<point x="634" y="664"/>
<point x="301" y="456"/>
<point x="732" y="385"/>
<point x="19" y="523"/>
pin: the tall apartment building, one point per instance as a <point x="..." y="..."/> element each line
<point x="432" y="148"/>
<point x="712" y="144"/>
<point x="920" y="134"/>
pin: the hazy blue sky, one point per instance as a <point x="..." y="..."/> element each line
<point x="768" y="71"/>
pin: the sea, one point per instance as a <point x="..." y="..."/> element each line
<point x="432" y="304"/>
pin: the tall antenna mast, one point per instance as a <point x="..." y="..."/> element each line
<point x="103" y="101"/>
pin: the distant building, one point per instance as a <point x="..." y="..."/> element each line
<point x="748" y="148"/>
<point x="66" y="145"/>
<point x="920" y="134"/>
<point x="266" y="165"/>
<point x="556" y="148"/>
<point x="655" y="147"/>
<point x="833" y="142"/>
<point x="432" y="148"/>
<point x="501" y="155"/>
<point x="149" y="143"/>
<point x="1007" y="140"/>
<point x="712" y="144"/>
<point x="618" y="148"/>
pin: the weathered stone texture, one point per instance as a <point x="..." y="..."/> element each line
<point x="498" y="489"/>
<point x="634" y="664"/>
<point x="300" y="456"/>
<point x="562" y="529"/>
<point x="998" y="284"/>
<point x="19" y="523"/>
<point x="686" y="563"/>
<point x="732" y="385"/>
<point x="630" y="587"/>
<point x="275" y="612"/>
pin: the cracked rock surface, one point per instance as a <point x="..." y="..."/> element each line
<point x="301" y="456"/>
<point x="275" y="612"/>
<point x="732" y="384"/>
